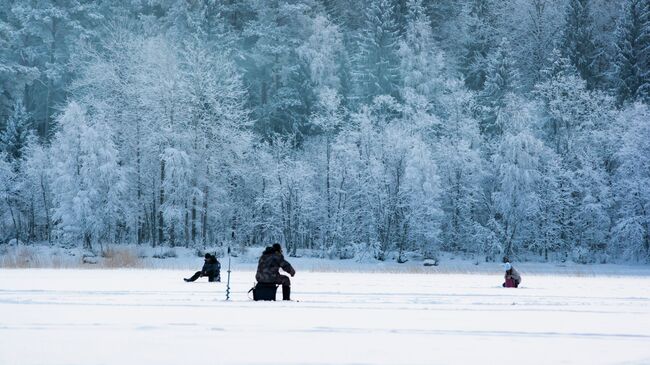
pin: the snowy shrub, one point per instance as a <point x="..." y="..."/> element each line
<point x="413" y="256"/>
<point x="582" y="255"/>
<point x="89" y="259"/>
<point x="489" y="243"/>
<point x="166" y="253"/>
<point x="14" y="242"/>
<point x="20" y="257"/>
<point x="364" y="251"/>
<point x="216" y="251"/>
<point x="347" y="252"/>
<point x="430" y="262"/>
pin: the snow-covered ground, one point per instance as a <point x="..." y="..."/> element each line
<point x="138" y="316"/>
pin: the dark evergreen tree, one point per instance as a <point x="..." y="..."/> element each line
<point x="632" y="65"/>
<point x="275" y="74"/>
<point x="501" y="78"/>
<point x="480" y="42"/>
<point x="578" y="42"/>
<point x="376" y="64"/>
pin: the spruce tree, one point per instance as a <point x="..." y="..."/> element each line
<point x="16" y="134"/>
<point x="480" y="32"/>
<point x="376" y="66"/>
<point x="419" y="59"/>
<point x="502" y="78"/>
<point x="644" y="89"/>
<point x="631" y="65"/>
<point x="578" y="43"/>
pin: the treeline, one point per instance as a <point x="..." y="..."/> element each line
<point x="386" y="128"/>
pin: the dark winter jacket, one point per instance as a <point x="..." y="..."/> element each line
<point x="211" y="267"/>
<point x="268" y="268"/>
<point x="514" y="274"/>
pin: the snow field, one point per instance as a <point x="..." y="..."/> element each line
<point x="151" y="316"/>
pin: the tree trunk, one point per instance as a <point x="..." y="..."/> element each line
<point x="193" y="220"/>
<point x="140" y="205"/>
<point x="328" y="232"/>
<point x="186" y="226"/>
<point x="161" y="232"/>
<point x="13" y="218"/>
<point x="204" y="220"/>
<point x="154" y="210"/>
<point x="47" y="211"/>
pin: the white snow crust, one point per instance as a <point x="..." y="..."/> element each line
<point x="150" y="316"/>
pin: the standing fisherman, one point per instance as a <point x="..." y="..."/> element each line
<point x="268" y="270"/>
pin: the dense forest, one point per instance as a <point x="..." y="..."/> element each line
<point x="382" y="128"/>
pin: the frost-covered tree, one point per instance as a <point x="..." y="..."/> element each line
<point x="16" y="134"/>
<point x="9" y="198"/>
<point x="535" y="25"/>
<point x="15" y="74"/>
<point x="323" y="51"/>
<point x="216" y="131"/>
<point x="383" y="129"/>
<point x="37" y="191"/>
<point x="521" y="165"/>
<point x="287" y="200"/>
<point x="112" y="83"/>
<point x="176" y="184"/>
<point x="461" y="171"/>
<point x="631" y="233"/>
<point x="421" y="62"/>
<point x="86" y="179"/>
<point x="569" y="106"/>
<point x="579" y="125"/>
<point x="47" y="33"/>
<point x="421" y="67"/>
<point x="329" y="118"/>
<point x="392" y="176"/>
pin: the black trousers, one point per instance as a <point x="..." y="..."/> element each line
<point x="198" y="274"/>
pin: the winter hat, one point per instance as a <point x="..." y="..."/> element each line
<point x="277" y="247"/>
<point x="507" y="266"/>
<point x="207" y="256"/>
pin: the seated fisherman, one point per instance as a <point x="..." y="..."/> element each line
<point x="512" y="276"/>
<point x="268" y="270"/>
<point x="211" y="269"/>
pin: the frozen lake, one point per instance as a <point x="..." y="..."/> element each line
<point x="127" y="317"/>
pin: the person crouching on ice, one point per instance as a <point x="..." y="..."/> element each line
<point x="268" y="270"/>
<point x="211" y="269"/>
<point x="513" y="279"/>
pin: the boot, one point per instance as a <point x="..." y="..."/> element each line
<point x="286" y="292"/>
